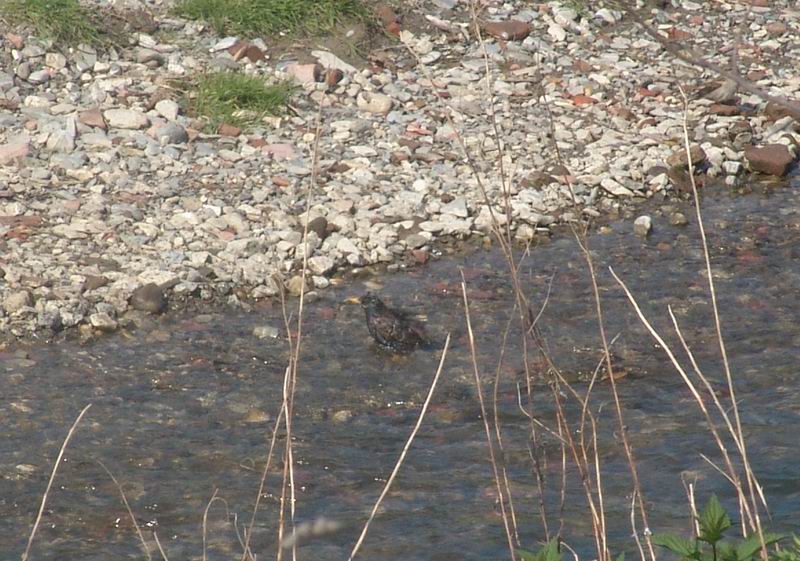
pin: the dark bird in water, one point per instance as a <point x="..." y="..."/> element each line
<point x="392" y="329"/>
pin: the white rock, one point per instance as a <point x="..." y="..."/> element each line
<point x="168" y="109"/>
<point x="321" y="264"/>
<point x="126" y="119"/>
<point x="556" y="32"/>
<point x="102" y="321"/>
<point x="223" y="44"/>
<point x="732" y="167"/>
<point x="347" y="246"/>
<point x="642" y="226"/>
<point x="330" y="60"/>
<point x="615" y="188"/>
<point x="374" y="102"/>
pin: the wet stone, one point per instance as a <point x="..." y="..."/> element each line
<point x="265" y="332"/>
<point x="149" y="298"/>
<point x="103" y="321"/>
<point x="642" y="226"/>
<point x="772" y="159"/>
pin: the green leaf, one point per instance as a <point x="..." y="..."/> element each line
<point x="621" y="557"/>
<point x="713" y="521"/>
<point x="677" y="544"/>
<point x="726" y="551"/>
<point x="748" y="548"/>
<point x="549" y="552"/>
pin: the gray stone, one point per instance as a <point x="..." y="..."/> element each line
<point x="456" y="207"/>
<point x="39" y="77"/>
<point x="55" y="60"/>
<point x="295" y="285"/>
<point x="103" y="321"/>
<point x="678" y="219"/>
<point x="149" y="298"/>
<point x="171" y="133"/>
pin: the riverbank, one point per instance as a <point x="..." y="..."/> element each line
<point x="115" y="203"/>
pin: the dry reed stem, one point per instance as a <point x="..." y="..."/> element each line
<point x="160" y="548"/>
<point x="50" y="482"/>
<point x="205" y="520"/>
<point x="145" y="547"/>
<point x="405" y="450"/>
<point x="249" y="530"/>
<point x="684" y="376"/>
<point x="739" y="434"/>
<point x="732" y="474"/>
<point x="291" y="382"/>
<point x="498" y="432"/>
<point x="228" y="515"/>
<point x="489" y="440"/>
<point x="623" y="433"/>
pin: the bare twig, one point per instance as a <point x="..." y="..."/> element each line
<point x="50" y="482"/>
<point x="145" y="547"/>
<point x="160" y="548"/>
<point x="489" y="440"/>
<point x="402" y="457"/>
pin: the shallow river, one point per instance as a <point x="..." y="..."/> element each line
<point x="187" y="407"/>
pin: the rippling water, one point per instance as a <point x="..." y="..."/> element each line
<point x="186" y="407"/>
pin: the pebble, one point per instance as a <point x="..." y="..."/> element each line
<point x="15" y="301"/>
<point x="126" y="119"/>
<point x="295" y="285"/>
<point x="265" y="332"/>
<point x="103" y="321"/>
<point x="168" y="109"/>
<point x="171" y="133"/>
<point x="642" y="226"/>
<point x="374" y="103"/>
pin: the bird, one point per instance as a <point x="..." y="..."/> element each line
<point x="392" y="329"/>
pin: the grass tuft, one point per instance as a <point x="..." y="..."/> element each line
<point x="237" y="99"/>
<point x="267" y="17"/>
<point x="65" y="22"/>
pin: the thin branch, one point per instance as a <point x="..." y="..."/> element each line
<point x="402" y="457"/>
<point x="145" y="547"/>
<point x="50" y="482"/>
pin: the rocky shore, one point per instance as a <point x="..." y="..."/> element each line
<point x="115" y="202"/>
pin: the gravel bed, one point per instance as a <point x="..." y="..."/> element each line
<point x="115" y="203"/>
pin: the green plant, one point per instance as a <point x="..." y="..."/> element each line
<point x="266" y="17"/>
<point x="66" y="22"/>
<point x="549" y="552"/>
<point x="709" y="544"/>
<point x="789" y="554"/>
<point x="237" y="99"/>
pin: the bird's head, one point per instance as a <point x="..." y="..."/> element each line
<point x="371" y="302"/>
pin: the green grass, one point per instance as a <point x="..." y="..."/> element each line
<point x="267" y="17"/>
<point x="66" y="22"/>
<point x="237" y="99"/>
